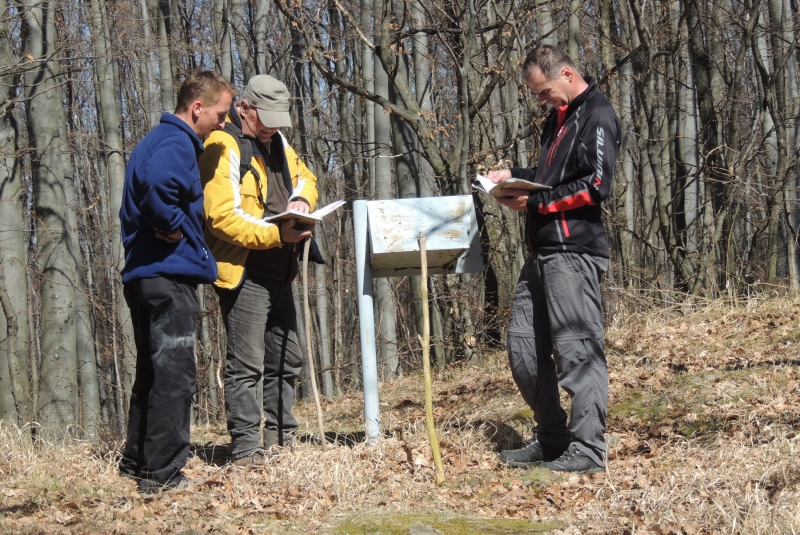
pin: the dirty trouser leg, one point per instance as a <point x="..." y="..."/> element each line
<point x="571" y="283"/>
<point x="245" y="312"/>
<point x="163" y="313"/>
<point x="283" y="362"/>
<point x="529" y="354"/>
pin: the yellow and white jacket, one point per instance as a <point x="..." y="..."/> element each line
<point x="233" y="205"/>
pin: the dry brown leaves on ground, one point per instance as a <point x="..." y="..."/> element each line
<point x="703" y="419"/>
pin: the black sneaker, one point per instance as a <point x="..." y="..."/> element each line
<point x="575" y="461"/>
<point x="533" y="454"/>
<point x="148" y="487"/>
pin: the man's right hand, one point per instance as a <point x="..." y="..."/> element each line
<point x="516" y="199"/>
<point x="171" y="237"/>
<point x="291" y="234"/>
<point x="499" y="176"/>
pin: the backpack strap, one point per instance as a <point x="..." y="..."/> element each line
<point x="246" y="164"/>
<point x="245" y="152"/>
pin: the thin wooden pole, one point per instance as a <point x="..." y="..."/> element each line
<point x="310" y="355"/>
<point x="425" y="340"/>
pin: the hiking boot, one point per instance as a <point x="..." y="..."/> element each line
<point x="533" y="454"/>
<point x="255" y="459"/>
<point x="272" y="438"/>
<point x="148" y="487"/>
<point x="575" y="461"/>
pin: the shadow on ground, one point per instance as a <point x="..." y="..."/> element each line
<point x="501" y="435"/>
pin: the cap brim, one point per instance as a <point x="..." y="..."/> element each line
<point x="274" y="119"/>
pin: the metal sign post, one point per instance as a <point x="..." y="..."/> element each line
<point x="387" y="245"/>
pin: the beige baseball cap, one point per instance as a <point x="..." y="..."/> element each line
<point x="271" y="98"/>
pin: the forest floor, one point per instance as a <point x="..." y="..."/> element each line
<point x="704" y="433"/>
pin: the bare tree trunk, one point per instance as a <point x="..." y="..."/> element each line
<point x="498" y="118"/>
<point x="462" y="152"/>
<point x="625" y="180"/>
<point x="783" y="111"/>
<point x="774" y="85"/>
<point x="260" y="34"/>
<point x="149" y="67"/>
<point x="462" y="149"/>
<point x="56" y="260"/>
<point x="423" y="83"/>
<point x="88" y="378"/>
<point x="368" y="62"/>
<point x="347" y="128"/>
<point x="544" y="23"/>
<point x="657" y="149"/>
<point x="792" y="140"/>
<point x="686" y="140"/>
<point x="111" y="118"/>
<point x="14" y="401"/>
<point x="574" y="29"/>
<point x="384" y="189"/>
<point x="223" y="47"/>
<point x="164" y="58"/>
<point x="717" y="186"/>
<point x="405" y="165"/>
<point x="19" y="412"/>
<point x="244" y="53"/>
<point x="617" y="203"/>
<point x="407" y="172"/>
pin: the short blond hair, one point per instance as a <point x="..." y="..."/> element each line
<point x="205" y="86"/>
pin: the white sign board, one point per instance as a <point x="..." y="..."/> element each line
<point x="451" y="230"/>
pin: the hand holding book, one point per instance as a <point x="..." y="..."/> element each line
<point x="498" y="190"/>
<point x="302" y="218"/>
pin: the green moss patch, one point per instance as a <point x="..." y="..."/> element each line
<point x="386" y="524"/>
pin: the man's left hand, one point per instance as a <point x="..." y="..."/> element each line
<point x="516" y="199"/>
<point x="298" y="205"/>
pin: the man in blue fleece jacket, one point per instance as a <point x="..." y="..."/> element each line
<point x="165" y="259"/>
<point x="556" y="332"/>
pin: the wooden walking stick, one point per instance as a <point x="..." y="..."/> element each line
<point x="425" y="340"/>
<point x="311" y="372"/>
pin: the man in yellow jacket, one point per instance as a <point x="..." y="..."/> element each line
<point x="257" y="262"/>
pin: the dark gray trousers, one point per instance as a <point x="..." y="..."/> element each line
<point x="163" y="313"/>
<point x="261" y="323"/>
<point x="556" y="338"/>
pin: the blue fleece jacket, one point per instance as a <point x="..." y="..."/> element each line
<point x="162" y="191"/>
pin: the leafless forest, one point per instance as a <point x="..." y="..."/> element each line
<point x="393" y="99"/>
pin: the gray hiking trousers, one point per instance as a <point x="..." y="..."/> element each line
<point x="556" y="338"/>
<point x="261" y="323"/>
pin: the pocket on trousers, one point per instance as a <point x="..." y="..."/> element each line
<point x="565" y="303"/>
<point x="568" y="355"/>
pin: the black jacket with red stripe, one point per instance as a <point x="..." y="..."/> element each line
<point x="577" y="160"/>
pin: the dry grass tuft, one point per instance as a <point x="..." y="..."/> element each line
<point x="704" y="414"/>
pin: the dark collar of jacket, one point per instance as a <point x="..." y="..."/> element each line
<point x="578" y="101"/>
<point x="171" y="119"/>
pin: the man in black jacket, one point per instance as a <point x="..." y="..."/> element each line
<point x="556" y="332"/>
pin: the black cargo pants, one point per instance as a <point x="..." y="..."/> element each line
<point x="163" y="313"/>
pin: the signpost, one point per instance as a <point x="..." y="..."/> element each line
<point x="387" y="245"/>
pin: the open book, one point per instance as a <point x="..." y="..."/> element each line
<point x="306" y="219"/>
<point x="496" y="190"/>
